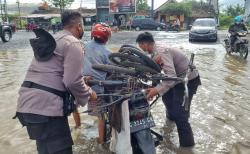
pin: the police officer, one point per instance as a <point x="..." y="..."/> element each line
<point x="55" y="70"/>
<point x="174" y="64"/>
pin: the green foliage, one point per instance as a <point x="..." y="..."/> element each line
<point x="234" y="10"/>
<point x="23" y="23"/>
<point x="225" y="20"/>
<point x="142" y="5"/>
<point x="62" y="4"/>
<point x="177" y="9"/>
<point x="13" y="17"/>
<point x="227" y="16"/>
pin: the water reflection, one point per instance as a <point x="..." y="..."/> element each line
<point x="13" y="65"/>
<point x="236" y="69"/>
<point x="241" y="148"/>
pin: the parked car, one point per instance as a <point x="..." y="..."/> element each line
<point x="203" y="29"/>
<point x="6" y="31"/>
<point x="148" y="24"/>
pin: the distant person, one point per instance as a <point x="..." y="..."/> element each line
<point x="128" y="24"/>
<point x="119" y="22"/>
<point x="53" y="25"/>
<point x="177" y="24"/>
<point x="52" y="83"/>
<point x="115" y="25"/>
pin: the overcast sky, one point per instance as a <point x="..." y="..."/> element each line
<point x="91" y="3"/>
<point x="86" y="3"/>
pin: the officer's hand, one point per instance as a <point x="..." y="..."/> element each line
<point x="151" y="93"/>
<point x="87" y="78"/>
<point x="93" y="96"/>
<point x="158" y="60"/>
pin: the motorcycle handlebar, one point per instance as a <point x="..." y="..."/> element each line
<point x="131" y="96"/>
<point x="107" y="82"/>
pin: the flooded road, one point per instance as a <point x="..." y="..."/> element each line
<point x="220" y="111"/>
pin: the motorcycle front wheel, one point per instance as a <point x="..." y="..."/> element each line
<point x="227" y="46"/>
<point x="243" y="51"/>
<point x="142" y="142"/>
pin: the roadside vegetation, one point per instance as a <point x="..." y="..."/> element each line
<point x="227" y="16"/>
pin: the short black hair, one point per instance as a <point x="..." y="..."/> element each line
<point x="145" y="37"/>
<point x="70" y="18"/>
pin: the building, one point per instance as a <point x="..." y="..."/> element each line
<point x="102" y="9"/>
<point x="160" y="15"/>
<point x="109" y="11"/>
<point x="43" y="18"/>
<point x="198" y="10"/>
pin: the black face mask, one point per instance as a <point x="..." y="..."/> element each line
<point x="81" y="35"/>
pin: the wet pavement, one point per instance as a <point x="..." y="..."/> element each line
<point x="220" y="111"/>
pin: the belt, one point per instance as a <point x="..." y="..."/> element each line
<point x="29" y="84"/>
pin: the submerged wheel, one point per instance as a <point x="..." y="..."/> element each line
<point x="6" y="36"/>
<point x="114" y="69"/>
<point x="139" y="68"/>
<point x="128" y="49"/>
<point x="228" y="50"/>
<point x="227" y="46"/>
<point x="119" y="58"/>
<point x="137" y="28"/>
<point x="243" y="51"/>
<point x="158" y="28"/>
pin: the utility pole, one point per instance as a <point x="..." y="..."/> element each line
<point x="152" y="9"/>
<point x="19" y="13"/>
<point x="3" y="8"/>
<point x="5" y="11"/>
<point x="81" y="3"/>
<point x="81" y="6"/>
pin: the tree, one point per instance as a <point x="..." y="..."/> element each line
<point x="62" y="4"/>
<point x="234" y="10"/>
<point x="142" y="5"/>
<point x="177" y="9"/>
<point x="225" y="20"/>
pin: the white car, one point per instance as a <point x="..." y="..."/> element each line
<point x="203" y="29"/>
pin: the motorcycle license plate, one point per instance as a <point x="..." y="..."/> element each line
<point x="141" y="124"/>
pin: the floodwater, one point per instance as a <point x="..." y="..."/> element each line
<point x="220" y="111"/>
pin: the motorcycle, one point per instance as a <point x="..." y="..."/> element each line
<point x="132" y="73"/>
<point x="143" y="138"/>
<point x="240" y="45"/>
<point x="172" y="27"/>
